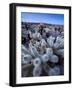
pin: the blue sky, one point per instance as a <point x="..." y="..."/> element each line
<point x="43" y="18"/>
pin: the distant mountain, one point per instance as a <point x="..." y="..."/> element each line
<point x="41" y="23"/>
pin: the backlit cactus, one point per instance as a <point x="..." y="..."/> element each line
<point x="44" y="52"/>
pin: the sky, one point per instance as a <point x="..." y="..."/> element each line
<point x="43" y="18"/>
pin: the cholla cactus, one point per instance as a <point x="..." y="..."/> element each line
<point x="45" y="58"/>
<point x="60" y="52"/>
<point x="50" y="41"/>
<point x="54" y="71"/>
<point x="43" y="43"/>
<point x="59" y="42"/>
<point x="26" y="58"/>
<point x="49" y="51"/>
<point x="54" y="59"/>
<point x="41" y="52"/>
<point x="38" y="60"/>
<point x="37" y="71"/>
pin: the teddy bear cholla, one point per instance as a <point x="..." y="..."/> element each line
<point x="38" y="59"/>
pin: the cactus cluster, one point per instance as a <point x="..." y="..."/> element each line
<point x="42" y="50"/>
